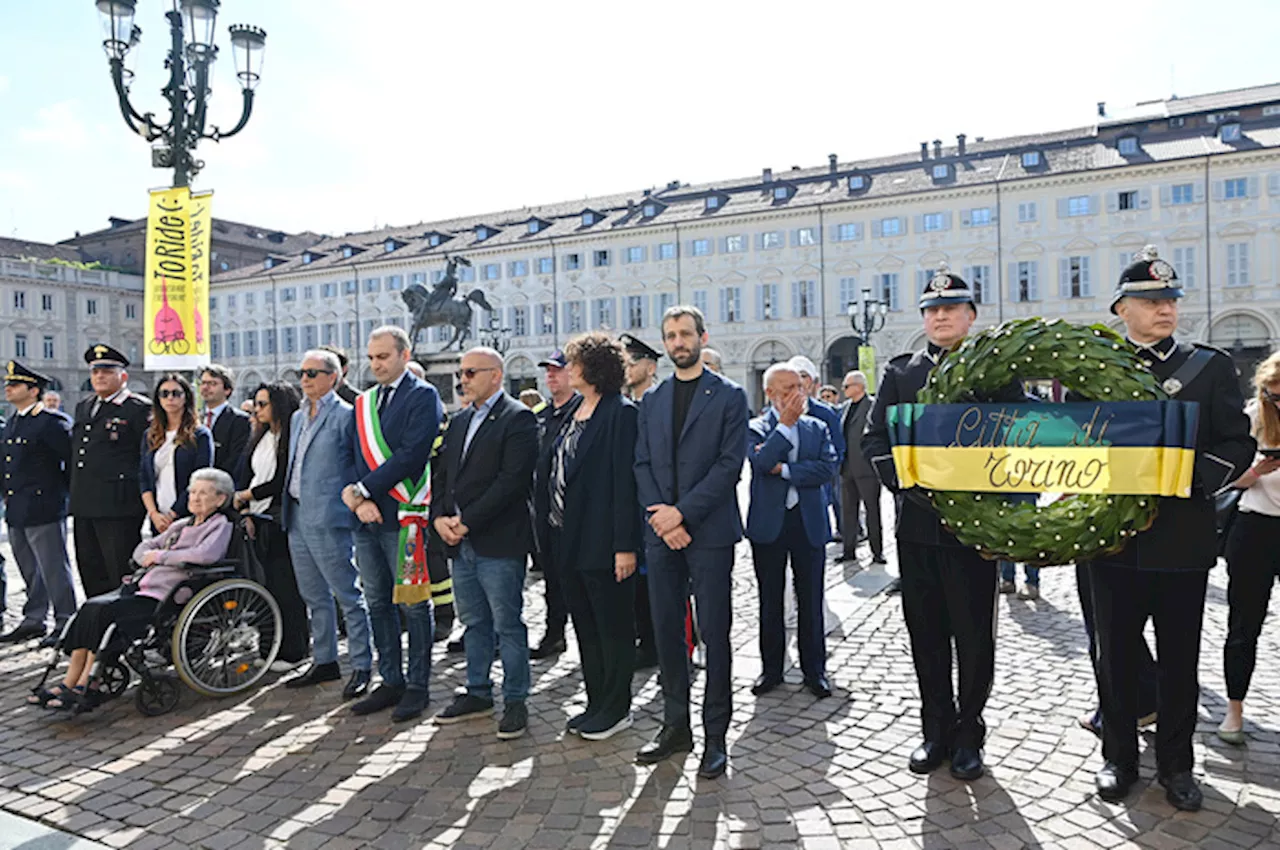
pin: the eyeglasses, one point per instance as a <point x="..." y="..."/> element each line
<point x="469" y="374"/>
<point x="259" y="403"/>
<point x="172" y="393"/>
<point x="312" y="373"/>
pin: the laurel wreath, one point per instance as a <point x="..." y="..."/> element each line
<point x="1095" y="363"/>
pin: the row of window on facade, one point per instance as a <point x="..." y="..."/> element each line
<point x="1076" y="279"/>
<point x="91" y="305"/>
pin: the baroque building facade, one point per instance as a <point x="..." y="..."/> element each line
<point x="1040" y="224"/>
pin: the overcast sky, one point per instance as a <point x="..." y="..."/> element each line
<point x="391" y="112"/>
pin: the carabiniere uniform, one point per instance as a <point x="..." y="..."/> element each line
<point x="1162" y="573"/>
<point x="948" y="589"/>
<point x="105" y="500"/>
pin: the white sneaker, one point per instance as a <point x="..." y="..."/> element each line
<point x="605" y="734"/>
<point x="282" y="666"/>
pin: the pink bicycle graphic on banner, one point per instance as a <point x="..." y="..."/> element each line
<point x="168" y="336"/>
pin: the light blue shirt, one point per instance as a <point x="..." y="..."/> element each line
<point x="793" y="437"/>
<point x="304" y="439"/>
<point x="477" y="419"/>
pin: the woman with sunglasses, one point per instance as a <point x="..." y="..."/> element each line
<point x="1253" y="561"/>
<point x="261" y="489"/>
<point x="173" y="448"/>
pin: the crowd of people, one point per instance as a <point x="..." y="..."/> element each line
<point x="378" y="513"/>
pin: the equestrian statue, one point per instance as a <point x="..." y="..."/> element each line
<point x="440" y="305"/>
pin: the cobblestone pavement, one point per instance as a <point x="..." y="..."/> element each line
<point x="296" y="769"/>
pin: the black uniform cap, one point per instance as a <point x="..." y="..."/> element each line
<point x="19" y="374"/>
<point x="946" y="288"/>
<point x="100" y="354"/>
<point x="1147" y="277"/>
<point x="637" y="348"/>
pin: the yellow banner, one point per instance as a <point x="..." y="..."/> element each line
<point x="177" y="280"/>
<point x="867" y="365"/>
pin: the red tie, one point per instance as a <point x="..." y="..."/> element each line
<point x="208" y="419"/>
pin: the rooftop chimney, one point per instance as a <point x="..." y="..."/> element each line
<point x="1102" y="109"/>
<point x="767" y="177"/>
<point x="960" y="144"/>
<point x="924" y="150"/>
<point x="937" y="149"/>
<point x="831" y="161"/>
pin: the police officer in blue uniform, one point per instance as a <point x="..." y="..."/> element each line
<point x="1162" y="573"/>
<point x="948" y="589"/>
<point x="37" y="451"/>
<point x="106" y="451"/>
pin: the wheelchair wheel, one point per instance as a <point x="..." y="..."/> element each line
<point x="115" y="678"/>
<point x="156" y="696"/>
<point x="226" y="637"/>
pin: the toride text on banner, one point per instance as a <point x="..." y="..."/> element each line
<point x="177" y="279"/>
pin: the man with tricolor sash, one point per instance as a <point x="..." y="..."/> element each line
<point x="948" y="589"/>
<point x="396" y="424"/>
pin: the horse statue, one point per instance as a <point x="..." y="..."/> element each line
<point x="439" y="305"/>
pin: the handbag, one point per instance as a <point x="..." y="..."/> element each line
<point x="1225" y="507"/>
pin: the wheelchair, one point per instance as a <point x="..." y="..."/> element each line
<point x="219" y="631"/>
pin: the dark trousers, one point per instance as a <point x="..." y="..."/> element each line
<point x="1253" y="562"/>
<point x="1148" y="672"/>
<point x="553" y="585"/>
<point x="441" y="581"/>
<point x="671" y="573"/>
<point x="644" y="613"/>
<point x="864" y="493"/>
<point x="1123" y="599"/>
<point x="807" y="563"/>
<point x="103" y="550"/>
<point x="272" y="547"/>
<point x="950" y="594"/>
<point x="603" y="611"/>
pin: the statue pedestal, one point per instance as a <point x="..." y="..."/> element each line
<point x="442" y="372"/>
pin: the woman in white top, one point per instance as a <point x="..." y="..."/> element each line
<point x="261" y="488"/>
<point x="173" y="448"/>
<point x="1253" y="559"/>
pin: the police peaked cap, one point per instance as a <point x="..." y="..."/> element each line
<point x="101" y="354"/>
<point x="638" y="348"/>
<point x="18" y="374"/>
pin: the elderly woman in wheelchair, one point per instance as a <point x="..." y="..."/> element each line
<point x="175" y="569"/>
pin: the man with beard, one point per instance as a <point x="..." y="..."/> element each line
<point x="689" y="456"/>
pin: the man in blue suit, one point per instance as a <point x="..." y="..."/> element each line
<point x="408" y="413"/>
<point x="689" y="455"/>
<point x="319" y="526"/>
<point x="792" y="458"/>
<point x="819" y="409"/>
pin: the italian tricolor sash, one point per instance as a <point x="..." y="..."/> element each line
<point x="413" y="583"/>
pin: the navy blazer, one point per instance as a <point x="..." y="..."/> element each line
<point x="601" y="514"/>
<point x="36" y="463"/>
<point x="409" y="426"/>
<point x="710" y="450"/>
<point x="819" y="409"/>
<point x="816" y="463"/>
<point x="186" y="460"/>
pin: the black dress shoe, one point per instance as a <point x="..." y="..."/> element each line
<point x="819" y="687"/>
<point x="670" y="741"/>
<point x="549" y="647"/>
<point x="966" y="763"/>
<point x="879" y="559"/>
<point x="1114" y="782"/>
<point x="1182" y="792"/>
<point x="316" y="674"/>
<point x="411" y="705"/>
<point x="927" y="757"/>
<point x="715" y="759"/>
<point x="846" y="556"/>
<point x="764" y="684"/>
<point x="383" y="697"/>
<point x="23" y="632"/>
<point x="357" y="685"/>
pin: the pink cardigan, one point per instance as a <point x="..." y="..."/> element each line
<point x="181" y="543"/>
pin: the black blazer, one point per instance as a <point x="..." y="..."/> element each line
<point x="230" y="436"/>
<point x="273" y="489"/>
<point x="492" y="487"/>
<point x="186" y="460"/>
<point x="601" y="509"/>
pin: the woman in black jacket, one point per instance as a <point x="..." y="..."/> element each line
<point x="260" y="491"/>
<point x="173" y="447"/>
<point x="595" y="530"/>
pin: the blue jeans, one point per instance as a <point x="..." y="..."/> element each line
<point x="323" y="569"/>
<point x="377" y="553"/>
<point x="489" y="595"/>
<point x="1008" y="569"/>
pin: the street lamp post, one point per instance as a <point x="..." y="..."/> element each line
<point x="190" y="60"/>
<point x="874" y="312"/>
